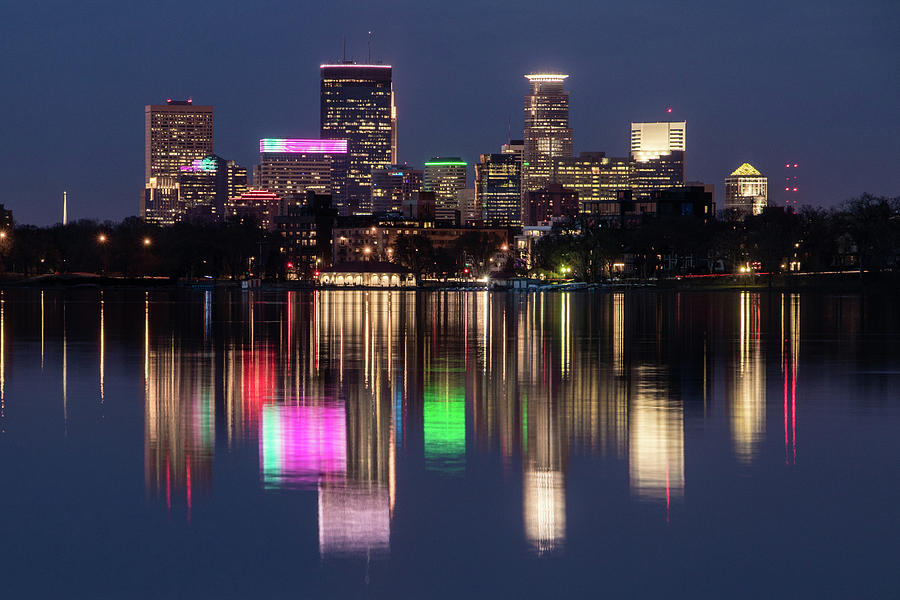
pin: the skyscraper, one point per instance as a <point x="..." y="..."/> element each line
<point x="394" y="187"/>
<point x="292" y="167"/>
<point x="445" y="177"/>
<point x="657" y="155"/>
<point x="175" y="134"/>
<point x="497" y="185"/>
<point x="547" y="132"/>
<point x="746" y="192"/>
<point x="357" y="105"/>
<point x="596" y="177"/>
<point x="205" y="185"/>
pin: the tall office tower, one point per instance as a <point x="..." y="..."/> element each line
<point x="445" y="177"/>
<point x="596" y="177"/>
<point x="516" y="147"/>
<point x="394" y="187"/>
<point x="292" y="167"/>
<point x="175" y="134"/>
<point x="357" y="105"/>
<point x="497" y="190"/>
<point x="547" y="132"/>
<point x="205" y="186"/>
<point x="746" y="192"/>
<point x="657" y="155"/>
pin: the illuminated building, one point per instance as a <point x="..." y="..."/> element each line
<point x="746" y="192"/>
<point x="175" y="134"/>
<point x="547" y="132"/>
<point x="393" y="188"/>
<point x="357" y="105"/>
<point x="445" y="177"/>
<point x="596" y="178"/>
<point x="292" y="167"/>
<point x="262" y="206"/>
<point x="208" y="183"/>
<point x="657" y="155"/>
<point x="497" y="190"/>
<point x="549" y="203"/>
<point x="368" y="274"/>
<point x="160" y="202"/>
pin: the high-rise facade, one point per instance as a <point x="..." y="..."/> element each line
<point x="205" y="184"/>
<point x="596" y="177"/>
<point x="746" y="192"/>
<point x="445" y="177"/>
<point x="497" y="190"/>
<point x="547" y="132"/>
<point x="394" y="187"/>
<point x="657" y="155"/>
<point x="175" y="134"/>
<point x="292" y="167"/>
<point x="357" y="105"/>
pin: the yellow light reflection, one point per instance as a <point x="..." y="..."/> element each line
<point x="748" y="390"/>
<point x="656" y="439"/>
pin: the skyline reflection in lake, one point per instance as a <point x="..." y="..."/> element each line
<point x="365" y="438"/>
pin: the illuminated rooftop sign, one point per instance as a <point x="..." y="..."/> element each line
<point x="446" y="163"/>
<point x="281" y="146"/>
<point x="355" y="66"/>
<point x="546" y="77"/>
<point x="206" y="165"/>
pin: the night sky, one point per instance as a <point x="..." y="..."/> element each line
<point x="810" y="82"/>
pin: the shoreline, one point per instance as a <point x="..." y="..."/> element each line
<point x="827" y="282"/>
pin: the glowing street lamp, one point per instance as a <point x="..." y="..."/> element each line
<point x="101" y="238"/>
<point x="146" y="241"/>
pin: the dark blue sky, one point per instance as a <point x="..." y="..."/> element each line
<point x="766" y="82"/>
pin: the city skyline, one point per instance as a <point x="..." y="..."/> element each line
<point x="808" y="105"/>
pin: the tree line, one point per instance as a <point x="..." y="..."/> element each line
<point x="862" y="233"/>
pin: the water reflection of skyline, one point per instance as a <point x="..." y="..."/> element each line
<point x="332" y="387"/>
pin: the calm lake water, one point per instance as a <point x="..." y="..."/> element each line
<point x="401" y="444"/>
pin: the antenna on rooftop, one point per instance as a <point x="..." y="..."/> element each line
<point x="370" y="48"/>
<point x="65" y="209"/>
<point x="345" y="48"/>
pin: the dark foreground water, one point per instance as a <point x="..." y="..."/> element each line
<point x="454" y="445"/>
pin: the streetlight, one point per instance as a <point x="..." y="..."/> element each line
<point x="146" y="241"/>
<point x="2" y="235"/>
<point x="504" y="248"/>
<point x="101" y="238"/>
